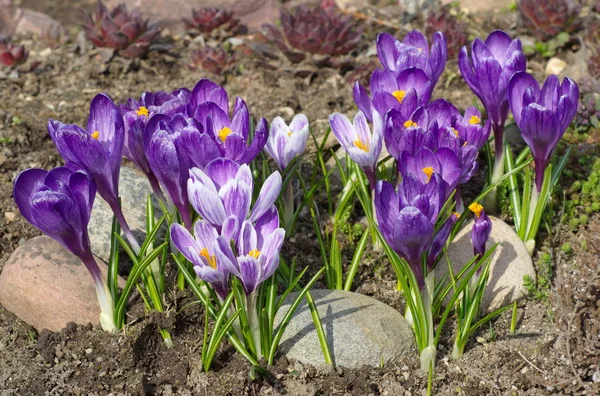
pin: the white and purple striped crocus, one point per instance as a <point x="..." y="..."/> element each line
<point x="98" y="149"/>
<point x="356" y="138"/>
<point x="257" y="250"/>
<point x="202" y="251"/>
<point x="286" y="142"/>
<point x="542" y="114"/>
<point x="59" y="203"/>
<point x="222" y="195"/>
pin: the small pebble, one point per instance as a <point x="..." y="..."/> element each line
<point x="555" y="66"/>
<point x="88" y="351"/>
<point x="10" y="217"/>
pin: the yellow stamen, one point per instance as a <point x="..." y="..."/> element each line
<point x="290" y="133"/>
<point x="455" y="131"/>
<point x="464" y="144"/>
<point x="95" y="135"/>
<point x="399" y="95"/>
<point x="457" y="215"/>
<point x="474" y="120"/>
<point x="429" y="172"/>
<point x="254" y="253"/>
<point x="476" y="208"/>
<point x="361" y="145"/>
<point x="142" y="111"/>
<point x="410" y="123"/>
<point x="212" y="260"/>
<point x="223" y="133"/>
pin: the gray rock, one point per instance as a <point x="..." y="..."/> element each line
<point x="510" y="263"/>
<point x="360" y="330"/>
<point x="134" y="189"/>
<point x="48" y="287"/>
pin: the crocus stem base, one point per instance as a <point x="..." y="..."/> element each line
<point x="107" y="316"/>
<point x="253" y="323"/>
<point x="457" y="351"/>
<point x="288" y="205"/>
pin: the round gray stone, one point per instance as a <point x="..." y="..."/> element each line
<point x="360" y="330"/>
<point x="510" y="263"/>
<point x="133" y="189"/>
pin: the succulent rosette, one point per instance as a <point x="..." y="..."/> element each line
<point x="542" y="114"/>
<point x="314" y="30"/>
<point x="202" y="251"/>
<point x="413" y="51"/>
<point x="215" y="60"/>
<point x="362" y="146"/>
<point x="120" y="29"/>
<point x="285" y="142"/>
<point x="11" y="54"/>
<point x="547" y="18"/>
<point x="207" y="19"/>
<point x="59" y="203"/>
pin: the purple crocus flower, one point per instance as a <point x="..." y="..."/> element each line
<point x="168" y="159"/>
<point x="222" y="194"/>
<point x="413" y="51"/>
<point x="488" y="71"/>
<point x="202" y="251"/>
<point x="407" y="219"/>
<point x="136" y="115"/>
<point x="231" y="138"/>
<point x="543" y="115"/>
<point x="406" y="91"/>
<point x="97" y="150"/>
<point x="258" y="246"/>
<point x="59" y="203"/>
<point x="207" y="91"/>
<point x="362" y="146"/>
<point x="482" y="228"/>
<point x="469" y="130"/>
<point x="286" y="142"/>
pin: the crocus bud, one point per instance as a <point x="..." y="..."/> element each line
<point x="482" y="229"/>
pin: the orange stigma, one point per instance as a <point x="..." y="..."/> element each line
<point x="142" y="111"/>
<point x="429" y="172"/>
<point x="410" y="123"/>
<point x="474" y="120"/>
<point x="399" y="95"/>
<point x="212" y="260"/>
<point x="361" y="145"/>
<point x="254" y="253"/>
<point x="223" y="133"/>
<point x="476" y="208"/>
<point x="95" y="135"/>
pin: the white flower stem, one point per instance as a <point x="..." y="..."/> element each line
<point x="253" y="321"/>
<point x="107" y="316"/>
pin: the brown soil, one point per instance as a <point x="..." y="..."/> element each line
<point x="555" y="351"/>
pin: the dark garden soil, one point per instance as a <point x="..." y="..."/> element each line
<point x="556" y="349"/>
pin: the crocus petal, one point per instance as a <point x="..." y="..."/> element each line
<point x="267" y="196"/>
<point x="343" y="129"/>
<point x="207" y="204"/>
<point x="27" y="183"/>
<point x="519" y="83"/>
<point x="250" y="273"/>
<point x="186" y="244"/>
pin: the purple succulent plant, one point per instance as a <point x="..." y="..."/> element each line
<point x="120" y="29"/>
